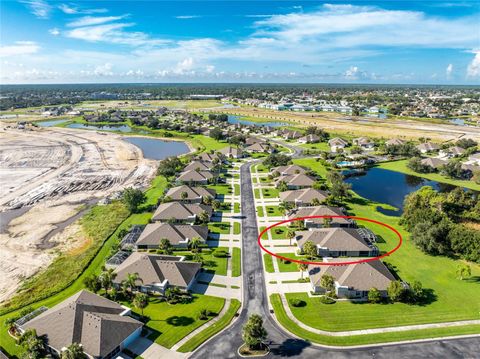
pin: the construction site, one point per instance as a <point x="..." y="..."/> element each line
<point x="49" y="177"/>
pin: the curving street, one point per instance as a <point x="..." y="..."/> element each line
<point x="281" y="343"/>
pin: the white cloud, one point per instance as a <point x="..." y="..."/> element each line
<point x="54" y="31"/>
<point x="94" y="20"/>
<point x="103" y="70"/>
<point x="72" y="10"/>
<point x="19" y="48"/>
<point x="473" y="69"/>
<point x="449" y="71"/>
<point x="186" y="17"/>
<point x="39" y="8"/>
<point x="354" y="73"/>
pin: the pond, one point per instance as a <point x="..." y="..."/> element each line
<point x="156" y="149"/>
<point x="238" y="119"/>
<point x="121" y="128"/>
<point x="51" y="123"/>
<point x="390" y="187"/>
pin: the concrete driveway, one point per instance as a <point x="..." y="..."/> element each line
<point x="151" y="350"/>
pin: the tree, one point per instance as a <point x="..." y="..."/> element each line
<point x="327" y="221"/>
<point x="290" y="235"/>
<point x="374" y="295"/>
<point x="463" y="271"/>
<point x="216" y="133"/>
<point x="416" y="290"/>
<point x="184" y="195"/>
<point x="170" y="166"/>
<point x="165" y="246"/>
<point x="106" y="278"/>
<point x="328" y="282"/>
<point x="73" y="351"/>
<point x="339" y="190"/>
<point x="432" y="239"/>
<point x="204" y="217"/>
<point x="310" y="249"/>
<point x="194" y="244"/>
<point x="395" y="291"/>
<point x="33" y="345"/>
<point x="253" y="332"/>
<point x="133" y="198"/>
<point x="92" y="283"/>
<point x="216" y="205"/>
<point x="302" y="267"/>
<point x="10" y="324"/>
<point x="282" y="186"/>
<point x="140" y="301"/>
<point x="315" y="202"/>
<point x="131" y="281"/>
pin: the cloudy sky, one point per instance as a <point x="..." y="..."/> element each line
<point x="424" y="42"/>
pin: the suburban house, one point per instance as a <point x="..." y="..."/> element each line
<point x="194" y="177"/>
<point x="252" y="140"/>
<point x="296" y="181"/>
<point x="259" y="148"/>
<point x="101" y="326"/>
<point x="454" y="151"/>
<point x="179" y="235"/>
<point x="288" y="170"/>
<point x="199" y="166"/>
<point x="337" y="143"/>
<point x="189" y="194"/>
<point x="290" y="134"/>
<point x="364" y="142"/>
<point x="394" y="142"/>
<point x="312" y="138"/>
<point x="427" y="147"/>
<point x="177" y="212"/>
<point x="474" y="159"/>
<point x="322" y="211"/>
<point x="232" y="152"/>
<point x="352" y="281"/>
<point x="158" y="272"/>
<point x="303" y="197"/>
<point x="210" y="157"/>
<point x="433" y="162"/>
<point x="339" y="242"/>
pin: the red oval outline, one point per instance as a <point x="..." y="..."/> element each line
<point x="370" y="259"/>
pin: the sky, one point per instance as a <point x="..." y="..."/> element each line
<point x="389" y="42"/>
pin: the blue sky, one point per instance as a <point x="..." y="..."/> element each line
<point x="424" y="42"/>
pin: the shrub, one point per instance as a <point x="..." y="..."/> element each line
<point x="295" y="302"/>
<point x="220" y="253"/>
<point x="327" y="300"/>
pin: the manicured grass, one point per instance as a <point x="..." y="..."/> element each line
<point x="212" y="264"/>
<point x="270" y="192"/>
<point x="268" y="261"/>
<point x="226" y="207"/>
<point x="364" y="339"/>
<point x="236" y="207"/>
<point x="157" y="188"/>
<point x="236" y="262"/>
<point x="321" y="146"/>
<point x="273" y="211"/>
<point x="236" y="228"/>
<point x="401" y="166"/>
<point x="208" y="143"/>
<point x="172" y="323"/>
<point x="260" y="211"/>
<point x="219" y="227"/>
<point x="312" y="163"/>
<point x="261" y="169"/>
<point x="256" y="193"/>
<point x="215" y="328"/>
<point x="284" y="266"/>
<point x="222" y="189"/>
<point x="279" y="232"/>
<point x="236" y="189"/>
<point x="265" y="180"/>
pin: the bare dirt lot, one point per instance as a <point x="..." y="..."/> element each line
<point x="46" y="178"/>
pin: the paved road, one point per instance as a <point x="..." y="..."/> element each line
<point x="283" y="344"/>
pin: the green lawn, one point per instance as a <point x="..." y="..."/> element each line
<point x="401" y="166"/>
<point x="313" y="164"/>
<point x="261" y="169"/>
<point x="222" y="189"/>
<point x="260" y="211"/>
<point x="270" y="192"/>
<point x="219" y="227"/>
<point x="256" y="192"/>
<point x="236" y="207"/>
<point x="321" y="146"/>
<point x="236" y="189"/>
<point x="273" y="211"/>
<point x="212" y="264"/>
<point x="215" y="328"/>
<point x="278" y="232"/>
<point x="236" y="228"/>
<point x="171" y="323"/>
<point x="268" y="261"/>
<point x="236" y="262"/>
<point x="364" y="339"/>
<point x="285" y="266"/>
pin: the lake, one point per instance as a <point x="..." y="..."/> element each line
<point x="238" y="119"/>
<point x="390" y="187"/>
<point x="51" y="123"/>
<point x="156" y="149"/>
<point x="121" y="128"/>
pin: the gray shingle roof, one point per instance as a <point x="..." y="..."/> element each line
<point x="305" y="195"/>
<point x="335" y="239"/>
<point x="175" y="193"/>
<point x="87" y="319"/>
<point x="321" y="211"/>
<point x="153" y="232"/>
<point x="297" y="180"/>
<point x="179" y="211"/>
<point x="196" y="176"/>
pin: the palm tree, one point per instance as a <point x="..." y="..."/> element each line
<point x="302" y="267"/>
<point x="106" y="278"/>
<point x="73" y="351"/>
<point x="131" y="281"/>
<point x="165" y="246"/>
<point x="290" y="235"/>
<point x="194" y="244"/>
<point x="140" y="301"/>
<point x="216" y="205"/>
<point x="10" y="324"/>
<point x="184" y="195"/>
